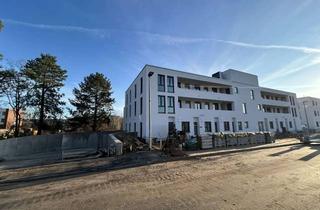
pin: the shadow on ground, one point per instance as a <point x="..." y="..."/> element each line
<point x="312" y="146"/>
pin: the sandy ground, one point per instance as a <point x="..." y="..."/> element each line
<point x="278" y="178"/>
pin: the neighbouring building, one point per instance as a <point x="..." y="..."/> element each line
<point x="7" y="119"/>
<point x="229" y="101"/>
<point x="309" y="109"/>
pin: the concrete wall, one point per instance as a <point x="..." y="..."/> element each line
<point x="57" y="147"/>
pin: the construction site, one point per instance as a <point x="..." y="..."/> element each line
<point x="281" y="174"/>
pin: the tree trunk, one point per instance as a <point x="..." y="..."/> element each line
<point x="41" y="118"/>
<point x="94" y="127"/>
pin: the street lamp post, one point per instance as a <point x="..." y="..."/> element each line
<point x="150" y="137"/>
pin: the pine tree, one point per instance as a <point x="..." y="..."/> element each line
<point x="47" y="78"/>
<point x="93" y="102"/>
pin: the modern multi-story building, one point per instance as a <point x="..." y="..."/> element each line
<point x="229" y="101"/>
<point x="309" y="109"/>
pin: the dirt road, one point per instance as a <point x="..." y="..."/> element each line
<point x="278" y="178"/>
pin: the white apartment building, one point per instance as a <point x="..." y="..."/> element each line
<point x="309" y="109"/>
<point x="229" y="101"/>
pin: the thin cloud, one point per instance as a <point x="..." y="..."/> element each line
<point x="95" y="31"/>
<point x="167" y="39"/>
<point x="283" y="47"/>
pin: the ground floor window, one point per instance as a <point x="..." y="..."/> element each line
<point x="246" y="124"/>
<point x="271" y="125"/>
<point x="240" y="126"/>
<point x="290" y="124"/>
<point x="141" y="130"/>
<point x="207" y="126"/>
<point x="185" y="127"/>
<point x="226" y="126"/>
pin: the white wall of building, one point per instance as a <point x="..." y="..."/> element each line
<point x="309" y="109"/>
<point x="231" y="79"/>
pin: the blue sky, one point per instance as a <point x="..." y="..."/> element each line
<point x="277" y="40"/>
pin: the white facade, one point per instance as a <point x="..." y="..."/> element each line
<point x="229" y="101"/>
<point x="309" y="109"/>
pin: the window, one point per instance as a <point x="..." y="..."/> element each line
<point x="252" y="94"/>
<point x="180" y="103"/>
<point x="216" y="127"/>
<point x="197" y="87"/>
<point x="318" y="124"/>
<point x="226" y="126"/>
<point x="140" y="129"/>
<point x="141" y="105"/>
<point x="206" y="89"/>
<point x="259" y="107"/>
<point x="188" y="104"/>
<point x="246" y="124"/>
<point x="170" y="87"/>
<point x="130" y="110"/>
<point x="187" y="86"/>
<point x="236" y="90"/>
<point x="215" y="90"/>
<point x="129" y="127"/>
<point x="271" y="125"/>
<point x="216" y="106"/>
<point x="240" y="126"/>
<point x="135" y="91"/>
<point x="171" y="105"/>
<point x="244" y="108"/>
<point x="206" y="105"/>
<point x="185" y="126"/>
<point x="179" y="84"/>
<point x="207" y="126"/>
<point x="260" y="125"/>
<point x="161" y="83"/>
<point x="134" y="127"/>
<point x="141" y="85"/>
<point x="135" y="108"/>
<point x="197" y="105"/>
<point x="161" y="104"/>
<point x="315" y="113"/>
<point x="229" y="106"/>
<point x="227" y="90"/>
<point x="130" y="96"/>
<point x="290" y="124"/>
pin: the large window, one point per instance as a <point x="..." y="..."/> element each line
<point x="207" y="126"/>
<point x="170" y="82"/>
<point x="252" y="94"/>
<point x="171" y="105"/>
<point x="185" y="126"/>
<point x="271" y="125"/>
<point x="135" y="91"/>
<point x="226" y="126"/>
<point x="161" y="83"/>
<point x="141" y="85"/>
<point x="161" y="104"/>
<point x="130" y="96"/>
<point x="130" y="110"/>
<point x="244" y="108"/>
<point x="240" y="126"/>
<point x="141" y="105"/>
<point x="135" y="108"/>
